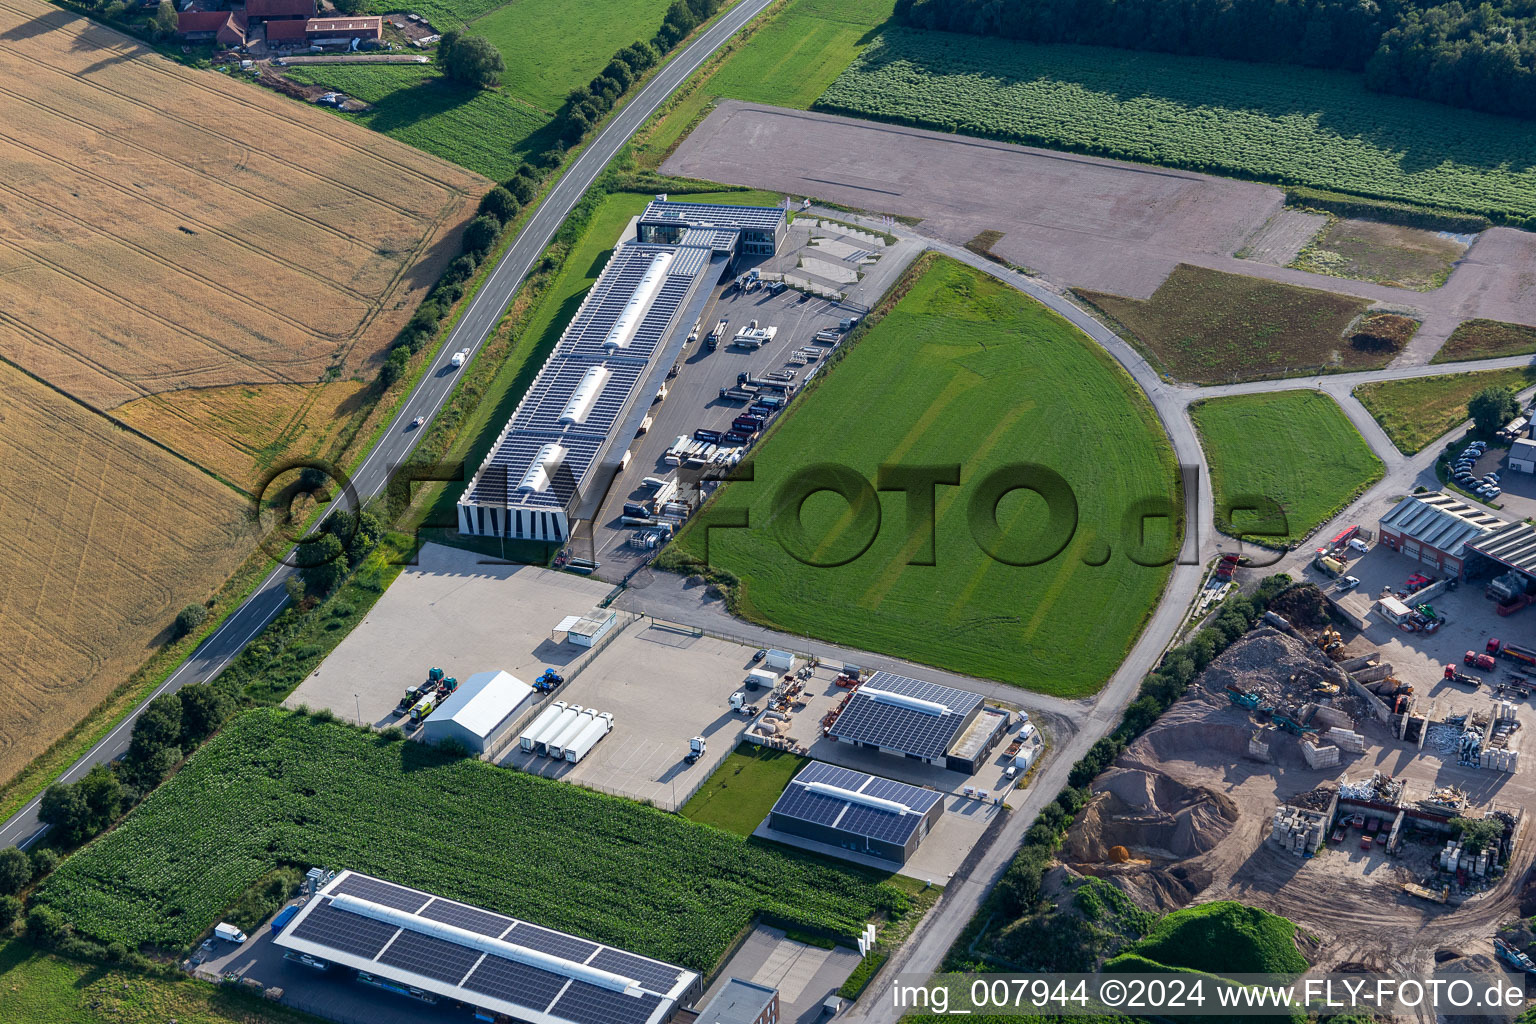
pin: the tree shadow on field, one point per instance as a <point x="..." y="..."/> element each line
<point x="34" y="28"/>
<point x="1416" y="135"/>
<point x="420" y="102"/>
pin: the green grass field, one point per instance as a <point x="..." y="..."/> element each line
<point x="1208" y="327"/>
<point x="741" y="792"/>
<point x="1486" y="339"/>
<point x="1223" y="938"/>
<point x="962" y="371"/>
<point x="490" y="131"/>
<point x="1418" y="411"/>
<point x="1267" y="122"/>
<point x="789" y="62"/>
<point x="1296" y="448"/>
<point x="43" y="989"/>
<point x="276" y="787"/>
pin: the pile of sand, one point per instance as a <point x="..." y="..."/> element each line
<point x="1152" y="815"/>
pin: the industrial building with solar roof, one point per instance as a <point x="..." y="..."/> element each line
<point x="560" y="451"/>
<point x="404" y="939"/>
<point x="920" y="721"/>
<point x="864" y="813"/>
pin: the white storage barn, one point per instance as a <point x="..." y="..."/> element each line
<point x="484" y="707"/>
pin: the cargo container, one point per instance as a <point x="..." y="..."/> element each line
<point x="284" y="916"/>
<point x="782" y="661"/>
<point x="710" y="436"/>
<point x="582" y="745"/>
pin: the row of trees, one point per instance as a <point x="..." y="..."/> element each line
<point x="1482" y="57"/>
<point x="585" y="106"/>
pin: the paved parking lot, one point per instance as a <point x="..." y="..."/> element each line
<point x="693" y="399"/>
<point x="454" y="612"/>
<point x="662" y="687"/>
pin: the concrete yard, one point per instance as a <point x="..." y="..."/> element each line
<point x="662" y="687"/>
<point x="804" y="975"/>
<point x="456" y="612"/>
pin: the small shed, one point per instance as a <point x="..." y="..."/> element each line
<point x="480" y="711"/>
<point x="585" y="630"/>
<point x="1522" y="456"/>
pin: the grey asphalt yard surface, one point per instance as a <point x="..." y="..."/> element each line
<point x="395" y="444"/>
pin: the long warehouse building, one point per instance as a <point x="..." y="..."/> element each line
<point x="557" y="455"/>
<point x="408" y="940"/>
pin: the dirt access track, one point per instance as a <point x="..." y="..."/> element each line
<point x="1078" y="221"/>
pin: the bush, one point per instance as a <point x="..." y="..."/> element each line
<point x="470" y="59"/>
<point x="10" y="912"/>
<point x="264" y="898"/>
<point x="481" y="234"/>
<point x="44" y="860"/>
<point x="393" y="368"/>
<point x="500" y="203"/>
<point x="45" y="926"/>
<point x="522" y="188"/>
<point x="461" y="269"/>
<point x="189" y="618"/>
<point x="15" y="871"/>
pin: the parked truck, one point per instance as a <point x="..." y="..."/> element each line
<point x="567" y="718"/>
<point x="1515" y="652"/>
<point x="540" y="726"/>
<point x="228" y="932"/>
<point x="422" y="708"/>
<point x="582" y="745"/>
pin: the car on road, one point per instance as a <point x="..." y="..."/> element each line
<point x="459" y="358"/>
<point x="418" y="421"/>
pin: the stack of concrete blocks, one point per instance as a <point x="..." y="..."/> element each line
<point x="1500" y="760"/>
<point x="1325" y="756"/>
<point x="1258" y="744"/>
<point x="1299" y="831"/>
<point x="1333" y="718"/>
<point x="1350" y="742"/>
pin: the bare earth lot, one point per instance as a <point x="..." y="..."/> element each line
<point x="1077" y="221"/>
<point x="170" y="236"/>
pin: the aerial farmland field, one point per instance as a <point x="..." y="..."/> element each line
<point x="319" y="793"/>
<point x="963" y="371"/>
<point x="1268" y="122"/>
<point x="217" y="267"/>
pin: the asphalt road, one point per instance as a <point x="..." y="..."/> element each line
<point x="370" y="478"/>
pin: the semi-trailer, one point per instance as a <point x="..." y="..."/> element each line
<point x="595" y="730"/>
<point x="556" y="746"/>
<point x="540" y="725"/>
<point x="567" y="718"/>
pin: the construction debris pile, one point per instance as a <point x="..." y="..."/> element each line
<point x="1380" y="788"/>
<point x="1297" y="830"/>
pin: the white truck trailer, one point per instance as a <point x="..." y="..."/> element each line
<point x="567" y="717"/>
<point x="582" y="745"/>
<point x="568" y="735"/>
<point x="536" y="730"/>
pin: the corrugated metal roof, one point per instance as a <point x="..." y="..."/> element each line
<point x="1514" y="545"/>
<point x="1440" y="521"/>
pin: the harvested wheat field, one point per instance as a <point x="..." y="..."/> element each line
<point x="169" y="228"/>
<point x="104" y="537"/>
<point x="190" y="256"/>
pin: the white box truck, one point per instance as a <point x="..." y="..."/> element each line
<point x="568" y="735"/>
<point x="582" y="745"/>
<point x="228" y="932"/>
<point x="536" y="730"/>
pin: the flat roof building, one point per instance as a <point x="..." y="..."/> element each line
<point x="331" y="31"/>
<point x="919" y="720"/>
<point x="1435" y="528"/>
<point x="754" y="230"/>
<point x="495" y="964"/>
<point x="585" y="630"/>
<point x="741" y="1002"/>
<point x="480" y="711"/>
<point x="864" y="813"/>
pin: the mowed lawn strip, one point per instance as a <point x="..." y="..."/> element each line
<point x="1267" y="122"/>
<point x="1486" y="339"/>
<point x="963" y="371"/>
<point x="1416" y="412"/>
<point x="1208" y="327"/>
<point x="45" y="989"/>
<point x="741" y="792"/>
<point x="788" y="62"/>
<point x="277" y="787"/>
<point x="1295" y="448"/>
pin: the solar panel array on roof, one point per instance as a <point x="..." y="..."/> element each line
<point x="805" y="800"/>
<point x="720" y="215"/>
<point x="484" y="959"/>
<point x="582" y="393"/>
<point x="925" y="727"/>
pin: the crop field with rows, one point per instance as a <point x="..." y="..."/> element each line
<point x="1275" y="123"/>
<point x="278" y="787"/>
